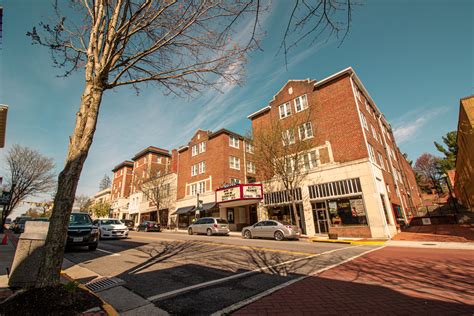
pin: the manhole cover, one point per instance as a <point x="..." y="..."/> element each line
<point x="102" y="284"/>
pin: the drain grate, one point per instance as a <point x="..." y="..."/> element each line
<point x="104" y="283"/>
<point x="429" y="244"/>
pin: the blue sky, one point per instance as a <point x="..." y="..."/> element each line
<point x="414" y="57"/>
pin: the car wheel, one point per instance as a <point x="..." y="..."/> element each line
<point x="209" y="232"/>
<point x="279" y="236"/>
<point x="248" y="234"/>
<point x="190" y="231"/>
<point x="93" y="247"/>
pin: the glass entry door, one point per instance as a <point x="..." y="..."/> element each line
<point x="320" y="218"/>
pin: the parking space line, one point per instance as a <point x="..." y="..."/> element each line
<point x="236" y="276"/>
<point x="108" y="252"/>
<point x="229" y="309"/>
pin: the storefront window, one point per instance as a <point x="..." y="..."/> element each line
<point x="230" y="215"/>
<point x="347" y="211"/>
<point x="285" y="213"/>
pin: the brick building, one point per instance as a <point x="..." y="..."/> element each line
<point x="355" y="184"/>
<point x="464" y="179"/>
<point x="217" y="169"/>
<point x="121" y="187"/>
<point x="358" y="183"/>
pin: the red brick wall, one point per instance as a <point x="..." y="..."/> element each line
<point x="216" y="157"/>
<point x="334" y="116"/>
<point x="121" y="182"/>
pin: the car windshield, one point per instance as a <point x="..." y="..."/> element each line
<point x="221" y="221"/>
<point x="110" y="222"/>
<point x="79" y="219"/>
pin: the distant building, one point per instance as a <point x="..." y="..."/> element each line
<point x="464" y="179"/>
<point x="3" y="123"/>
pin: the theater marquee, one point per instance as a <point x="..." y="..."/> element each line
<point x="239" y="192"/>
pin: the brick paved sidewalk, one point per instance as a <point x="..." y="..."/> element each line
<point x="393" y="280"/>
<point x="438" y="233"/>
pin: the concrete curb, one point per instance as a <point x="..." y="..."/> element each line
<point x="349" y="241"/>
<point x="105" y="306"/>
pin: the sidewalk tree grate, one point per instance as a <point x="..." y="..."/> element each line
<point x="101" y="284"/>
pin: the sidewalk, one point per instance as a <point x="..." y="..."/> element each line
<point x="7" y="252"/>
<point x="123" y="300"/>
<point x="391" y="281"/>
<point x="438" y="233"/>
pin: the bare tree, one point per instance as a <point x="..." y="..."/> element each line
<point x="105" y="183"/>
<point x="83" y="202"/>
<point x="158" y="190"/>
<point x="283" y="154"/>
<point x="30" y="174"/>
<point x="427" y="167"/>
<point x="182" y="46"/>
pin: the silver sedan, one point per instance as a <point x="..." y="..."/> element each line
<point x="271" y="229"/>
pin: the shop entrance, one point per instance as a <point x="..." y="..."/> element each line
<point x="320" y="218"/>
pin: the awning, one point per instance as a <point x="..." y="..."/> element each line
<point x="208" y="206"/>
<point x="184" y="210"/>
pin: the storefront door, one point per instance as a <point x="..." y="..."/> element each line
<point x="320" y="218"/>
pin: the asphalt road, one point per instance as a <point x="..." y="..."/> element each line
<point x="185" y="274"/>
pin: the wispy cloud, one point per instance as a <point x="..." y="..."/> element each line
<point x="410" y="124"/>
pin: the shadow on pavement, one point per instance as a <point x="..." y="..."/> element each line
<point x="323" y="296"/>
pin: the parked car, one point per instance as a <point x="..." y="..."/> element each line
<point x="40" y="219"/>
<point x="278" y="230"/>
<point x="149" y="226"/>
<point x="209" y="226"/>
<point x="18" y="225"/>
<point x="129" y="223"/>
<point x="111" y="228"/>
<point x="82" y="232"/>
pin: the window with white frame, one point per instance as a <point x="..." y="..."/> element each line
<point x="194" y="170"/>
<point x="249" y="148"/>
<point x="310" y="160"/>
<point x="233" y="141"/>
<point x="202" y="167"/>
<point x="193" y="189"/>
<point x="305" y="131"/>
<point x="288" y="137"/>
<point x="202" y="186"/>
<point x="234" y="163"/>
<point x="371" y="153"/>
<point x="382" y="165"/>
<point x="194" y="150"/>
<point x="250" y="167"/>
<point x="364" y="121"/>
<point x="358" y="93"/>
<point x="393" y="154"/>
<point x="202" y="147"/>
<point x="290" y="164"/>
<point x="158" y="159"/>
<point x="234" y="181"/>
<point x="367" y="106"/>
<point x="285" y="110"/>
<point x="301" y="103"/>
<point x="374" y="133"/>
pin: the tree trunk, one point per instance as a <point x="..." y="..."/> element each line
<point x="79" y="144"/>
<point x="295" y="211"/>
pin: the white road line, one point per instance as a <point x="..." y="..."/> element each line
<point x="239" y="305"/>
<point x="110" y="253"/>
<point x="236" y="276"/>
